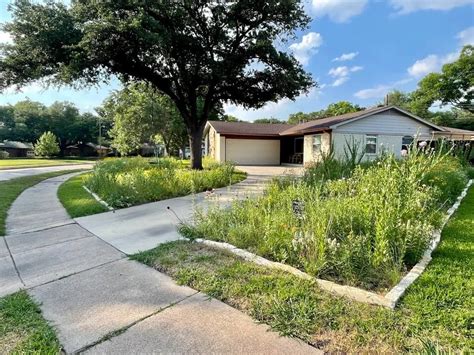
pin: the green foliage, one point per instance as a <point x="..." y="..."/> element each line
<point x="47" y="145"/>
<point x="141" y="115"/>
<point x="362" y="225"/>
<point x="454" y="85"/>
<point x="130" y="181"/>
<point x="268" y="120"/>
<point x="334" y="109"/>
<point x="4" y="154"/>
<point x="22" y="328"/>
<point x="56" y="42"/>
<point x="77" y="201"/>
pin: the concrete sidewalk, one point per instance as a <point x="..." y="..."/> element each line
<point x="101" y="302"/>
<point x="140" y="228"/>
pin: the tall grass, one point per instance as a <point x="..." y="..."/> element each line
<point x="364" y="229"/>
<point x="130" y="181"/>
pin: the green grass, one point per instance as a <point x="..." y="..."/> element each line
<point x="435" y="315"/>
<point x="22" y="328"/>
<point x="11" y="189"/>
<point x="33" y="163"/>
<point x="77" y="201"/>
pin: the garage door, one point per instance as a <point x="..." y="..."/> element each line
<point x="253" y="151"/>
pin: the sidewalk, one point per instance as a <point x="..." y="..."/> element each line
<point x="101" y="302"/>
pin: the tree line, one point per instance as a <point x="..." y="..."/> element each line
<point x="27" y="120"/>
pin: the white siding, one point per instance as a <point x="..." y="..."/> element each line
<point x="309" y="155"/>
<point x="388" y="123"/>
<point x="252" y="151"/>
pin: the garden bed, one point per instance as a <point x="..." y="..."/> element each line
<point x="434" y="316"/>
<point x="365" y="230"/>
<point x="132" y="181"/>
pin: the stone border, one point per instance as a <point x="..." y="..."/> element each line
<point x="390" y="300"/>
<point x="98" y="199"/>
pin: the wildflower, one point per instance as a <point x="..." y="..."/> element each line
<point x="423" y="144"/>
<point x="404" y="152"/>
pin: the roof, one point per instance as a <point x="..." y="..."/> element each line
<point x="249" y="129"/>
<point x="16" y="145"/>
<point x="329" y="123"/>
<point x="319" y="125"/>
<point x="455" y="130"/>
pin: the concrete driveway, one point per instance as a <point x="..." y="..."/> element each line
<point x="16" y="173"/>
<point x="270" y="171"/>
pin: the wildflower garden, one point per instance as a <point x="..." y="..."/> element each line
<point x="358" y="224"/>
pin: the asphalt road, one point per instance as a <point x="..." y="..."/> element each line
<point x="16" y="173"/>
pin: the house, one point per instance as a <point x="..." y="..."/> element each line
<point x="373" y="131"/>
<point x="17" y="149"/>
<point x="86" y="150"/>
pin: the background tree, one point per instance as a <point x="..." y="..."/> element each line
<point x="453" y="86"/>
<point x="268" y="120"/>
<point x="139" y="115"/>
<point x="196" y="52"/>
<point x="333" y="109"/>
<point x="47" y="145"/>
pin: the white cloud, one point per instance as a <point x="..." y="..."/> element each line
<point x="308" y="46"/>
<point x="5" y="37"/>
<point x="408" y="6"/>
<point x="380" y="90"/>
<point x="430" y="64"/>
<point x="342" y="74"/>
<point x="345" y="56"/>
<point x="338" y="10"/>
<point x="466" y="37"/>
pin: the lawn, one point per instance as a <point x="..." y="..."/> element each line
<point x="22" y="328"/>
<point x="35" y="163"/>
<point x="77" y="201"/>
<point x="11" y="189"/>
<point x="435" y="314"/>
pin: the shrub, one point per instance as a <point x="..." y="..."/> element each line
<point x="4" y="154"/>
<point x="130" y="181"/>
<point x="47" y="145"/>
<point x="365" y="229"/>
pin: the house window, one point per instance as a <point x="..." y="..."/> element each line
<point x="370" y="144"/>
<point x="317" y="143"/>
<point x="407" y="142"/>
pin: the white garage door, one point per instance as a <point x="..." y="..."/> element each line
<point x="253" y="151"/>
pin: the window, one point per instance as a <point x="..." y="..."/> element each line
<point x="370" y="144"/>
<point x="406" y="142"/>
<point x="317" y="143"/>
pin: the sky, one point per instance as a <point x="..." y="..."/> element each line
<point x="356" y="50"/>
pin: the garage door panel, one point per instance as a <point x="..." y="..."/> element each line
<point x="253" y="151"/>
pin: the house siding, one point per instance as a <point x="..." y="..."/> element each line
<point x="309" y="155"/>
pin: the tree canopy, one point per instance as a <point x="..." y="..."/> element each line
<point x="199" y="53"/>
<point x="27" y="120"/>
<point x="333" y="109"/>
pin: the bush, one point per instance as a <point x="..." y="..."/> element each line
<point x="47" y="145"/>
<point x="130" y="181"/>
<point x="4" y="154"/>
<point x="365" y="229"/>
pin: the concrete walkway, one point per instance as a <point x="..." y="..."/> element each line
<point x="143" y="227"/>
<point x="101" y="302"/>
<point x="8" y="174"/>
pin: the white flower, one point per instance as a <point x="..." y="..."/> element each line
<point x="423" y="144"/>
<point x="404" y="152"/>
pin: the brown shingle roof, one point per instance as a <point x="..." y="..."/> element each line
<point x="249" y="129"/>
<point x="325" y="123"/>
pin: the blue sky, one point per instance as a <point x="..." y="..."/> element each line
<point x="357" y="50"/>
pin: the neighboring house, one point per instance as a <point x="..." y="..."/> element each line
<point x="86" y="150"/>
<point x="378" y="129"/>
<point x="17" y="149"/>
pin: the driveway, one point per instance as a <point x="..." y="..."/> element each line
<point x="16" y="173"/>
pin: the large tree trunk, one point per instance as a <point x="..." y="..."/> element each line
<point x="195" y="143"/>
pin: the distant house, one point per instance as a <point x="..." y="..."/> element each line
<point x="17" y="149"/>
<point x="86" y="150"/>
<point x="374" y="131"/>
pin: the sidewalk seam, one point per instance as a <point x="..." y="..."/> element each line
<point x="14" y="263"/>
